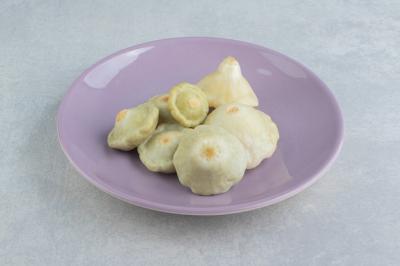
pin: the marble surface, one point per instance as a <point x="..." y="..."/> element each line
<point x="52" y="216"/>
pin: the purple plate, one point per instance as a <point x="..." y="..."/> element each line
<point x="308" y="117"/>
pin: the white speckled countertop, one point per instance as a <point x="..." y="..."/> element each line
<point x="52" y="216"/>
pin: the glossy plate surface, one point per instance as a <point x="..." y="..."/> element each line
<point x="304" y="109"/>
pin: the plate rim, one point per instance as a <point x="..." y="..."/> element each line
<point x="209" y="210"/>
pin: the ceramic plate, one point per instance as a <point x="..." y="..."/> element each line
<point x="304" y="109"/>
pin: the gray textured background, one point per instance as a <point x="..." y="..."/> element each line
<point x="49" y="215"/>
